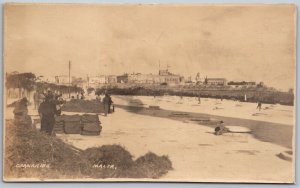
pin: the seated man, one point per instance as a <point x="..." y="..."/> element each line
<point x="219" y="130"/>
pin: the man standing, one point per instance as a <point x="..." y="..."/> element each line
<point x="106" y="103"/>
<point x="47" y="112"/>
<point x="109" y="104"/>
<point x="259" y="105"/>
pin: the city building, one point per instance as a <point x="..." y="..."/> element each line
<point x="80" y="82"/>
<point x="48" y="79"/>
<point x="166" y="77"/>
<point x="216" y="81"/>
<point x="139" y="78"/>
<point x="243" y="83"/>
<point x="122" y="78"/>
<point x="95" y="81"/>
<point x="111" y="79"/>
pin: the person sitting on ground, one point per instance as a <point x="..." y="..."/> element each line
<point x="220" y="129"/>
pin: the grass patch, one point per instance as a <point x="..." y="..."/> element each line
<point x="85" y="106"/>
<point x="29" y="146"/>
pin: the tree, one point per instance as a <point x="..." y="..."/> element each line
<point x="25" y="81"/>
<point x="21" y="80"/>
<point x="260" y="84"/>
<point x="90" y="90"/>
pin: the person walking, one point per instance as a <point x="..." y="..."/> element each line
<point x="47" y="111"/>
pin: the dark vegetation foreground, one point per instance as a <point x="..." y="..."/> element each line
<point x="27" y="150"/>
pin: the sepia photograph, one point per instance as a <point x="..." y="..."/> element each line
<point x="149" y="92"/>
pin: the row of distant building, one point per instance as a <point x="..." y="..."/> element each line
<point x="164" y="77"/>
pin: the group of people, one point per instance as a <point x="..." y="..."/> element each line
<point x="107" y="103"/>
<point x="81" y="96"/>
<point x="50" y="107"/>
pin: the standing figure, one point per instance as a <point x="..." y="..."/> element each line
<point x="36" y="100"/>
<point x="259" y="105"/>
<point x="199" y="99"/>
<point x="109" y="104"/>
<point x="98" y="98"/>
<point x="105" y="101"/>
<point x="47" y="112"/>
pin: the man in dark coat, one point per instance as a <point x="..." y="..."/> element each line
<point x="109" y="103"/>
<point x="47" y="111"/>
<point x="106" y="103"/>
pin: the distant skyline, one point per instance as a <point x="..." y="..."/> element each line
<point x="251" y="43"/>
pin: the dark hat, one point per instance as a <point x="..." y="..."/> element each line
<point x="24" y="100"/>
<point x="48" y="97"/>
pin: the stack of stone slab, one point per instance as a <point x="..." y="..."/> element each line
<point x="72" y="124"/>
<point x="59" y="124"/>
<point x="90" y="125"/>
<point x="87" y="124"/>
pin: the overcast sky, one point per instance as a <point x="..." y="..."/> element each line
<point x="252" y="43"/>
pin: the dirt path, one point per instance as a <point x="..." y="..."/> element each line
<point x="265" y="131"/>
<point x="196" y="154"/>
